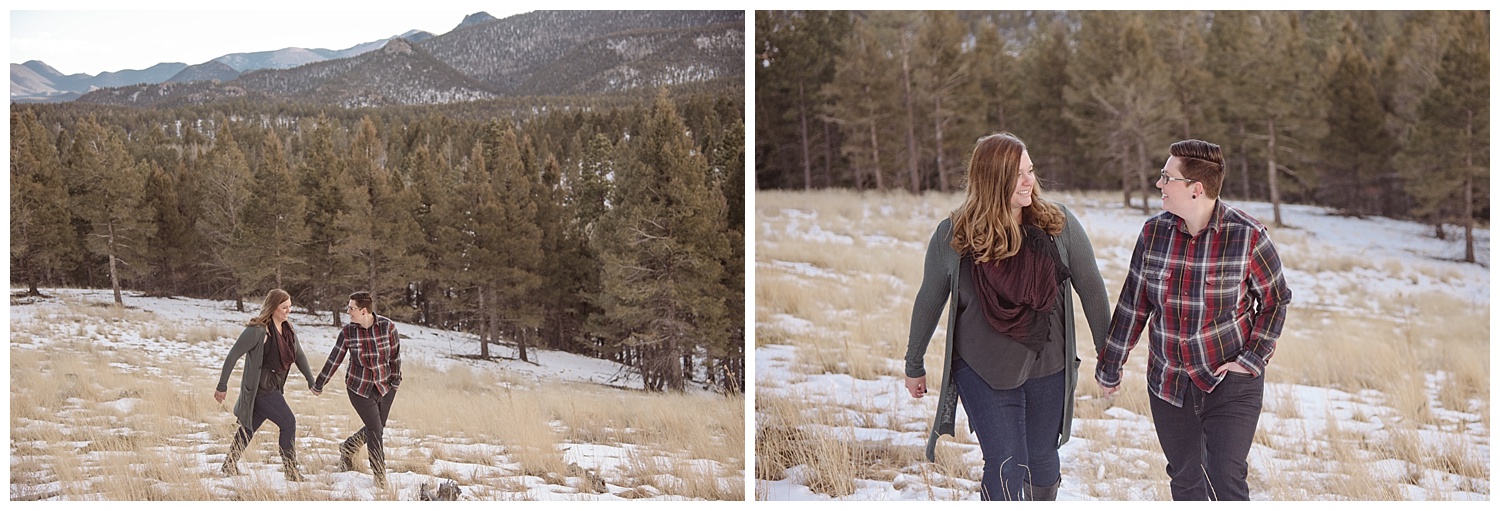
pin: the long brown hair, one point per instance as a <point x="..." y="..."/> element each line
<point x="983" y="226"/>
<point x="273" y="300"/>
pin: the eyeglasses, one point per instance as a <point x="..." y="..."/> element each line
<point x="1170" y="179"/>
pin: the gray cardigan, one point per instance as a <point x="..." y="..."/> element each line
<point x="251" y="345"/>
<point x="940" y="287"/>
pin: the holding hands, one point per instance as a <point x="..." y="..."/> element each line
<point x="917" y="386"/>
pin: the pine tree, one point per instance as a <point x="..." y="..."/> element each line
<point x="1356" y="150"/>
<point x="1043" y="65"/>
<point x="858" y="100"/>
<point x="1231" y="51"/>
<point x="661" y="250"/>
<point x="176" y="245"/>
<point x="1179" y="39"/>
<point x="1120" y="99"/>
<point x="377" y="230"/>
<point x="796" y="51"/>
<point x="110" y="189"/>
<point x="989" y="100"/>
<point x="465" y="238"/>
<point x="942" y="70"/>
<point x="40" y="235"/>
<point x="274" y="221"/>
<point x="323" y="181"/>
<point x="1446" y="162"/>
<point x="226" y="192"/>
<point x="432" y="184"/>
<point x="513" y="238"/>
<point x="727" y="351"/>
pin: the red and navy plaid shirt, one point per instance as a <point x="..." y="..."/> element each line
<point x="375" y="367"/>
<point x="1210" y="300"/>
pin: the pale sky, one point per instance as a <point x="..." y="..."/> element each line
<point x="94" y="41"/>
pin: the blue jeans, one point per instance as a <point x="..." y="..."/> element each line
<point x="1207" y="440"/>
<point x="1017" y="430"/>
<point x="273" y="407"/>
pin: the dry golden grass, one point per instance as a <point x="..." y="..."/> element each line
<point x="123" y="424"/>
<point x="851" y="286"/>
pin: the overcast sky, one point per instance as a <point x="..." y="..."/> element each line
<point x="85" y="41"/>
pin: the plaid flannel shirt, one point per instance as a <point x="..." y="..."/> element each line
<point x="1210" y="300"/>
<point x="375" y="368"/>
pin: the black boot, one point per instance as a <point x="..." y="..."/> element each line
<point x="1042" y="492"/>
<point x="231" y="466"/>
<point x="289" y="465"/>
<point x="377" y="467"/>
<point x="347" y="449"/>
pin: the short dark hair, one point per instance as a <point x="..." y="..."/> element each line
<point x="363" y="300"/>
<point x="1202" y="162"/>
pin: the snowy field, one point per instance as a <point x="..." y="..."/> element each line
<point x="1379" y="389"/>
<point x="117" y="405"/>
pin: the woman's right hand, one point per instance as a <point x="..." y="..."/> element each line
<point x="917" y="386"/>
<point x="219" y="396"/>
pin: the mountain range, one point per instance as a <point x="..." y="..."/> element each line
<point x="537" y="53"/>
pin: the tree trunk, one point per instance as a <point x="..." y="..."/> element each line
<point x="937" y="128"/>
<point x="1142" y="163"/>
<point x="484" y="338"/>
<point x="875" y="147"/>
<point x="1271" y="170"/>
<point x="1469" y="191"/>
<point x="1244" y="164"/>
<point x="523" y="338"/>
<point x="827" y="154"/>
<point x="806" y="149"/>
<point x="114" y="274"/>
<point x="911" y="123"/>
<point x="374" y="297"/>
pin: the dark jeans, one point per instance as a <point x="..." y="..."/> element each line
<point x="1017" y="430"/>
<point x="271" y="406"/>
<point x="373" y="411"/>
<point x="1207" y="440"/>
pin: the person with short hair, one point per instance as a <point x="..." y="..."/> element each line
<point x="374" y="350"/>
<point x="269" y="345"/>
<point x="1003" y="263"/>
<point x="1207" y="279"/>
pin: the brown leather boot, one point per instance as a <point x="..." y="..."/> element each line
<point x="347" y="449"/>
<point x="377" y="467"/>
<point x="289" y="465"/>
<point x="231" y="465"/>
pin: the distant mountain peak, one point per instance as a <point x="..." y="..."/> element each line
<point x="475" y="19"/>
<point x="397" y="46"/>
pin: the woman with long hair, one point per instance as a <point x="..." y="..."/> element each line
<point x="1003" y="263"/>
<point x="269" y="345"/>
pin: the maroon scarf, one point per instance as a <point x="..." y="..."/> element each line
<point x="1016" y="289"/>
<point x="286" y="344"/>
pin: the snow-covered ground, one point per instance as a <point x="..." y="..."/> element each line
<point x="1363" y="269"/>
<point x="160" y="330"/>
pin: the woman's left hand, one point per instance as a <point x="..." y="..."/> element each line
<point x="917" y="386"/>
<point x="219" y="396"/>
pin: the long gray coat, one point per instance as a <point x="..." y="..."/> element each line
<point x="251" y="345"/>
<point x="940" y="287"/>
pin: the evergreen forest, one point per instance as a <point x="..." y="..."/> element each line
<point x="611" y="226"/>
<point x="1371" y="113"/>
